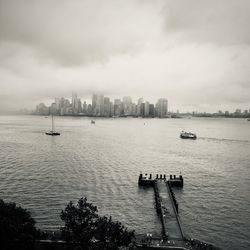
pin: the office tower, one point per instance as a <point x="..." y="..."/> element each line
<point x="90" y="110"/>
<point x="97" y="105"/>
<point x="94" y="104"/>
<point x="127" y="105"/>
<point x="142" y="109"/>
<point x="111" y="109"/>
<point x="106" y="111"/>
<point x="140" y="101"/>
<point x="117" y="107"/>
<point x="162" y="107"/>
<point x="134" y="109"/>
<point x="84" y="108"/>
<point x="146" y="109"/>
<point x="76" y="104"/>
<point x="151" y="110"/>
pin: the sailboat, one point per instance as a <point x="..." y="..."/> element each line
<point x="52" y="132"/>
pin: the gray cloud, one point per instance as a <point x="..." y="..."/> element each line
<point x="221" y="22"/>
<point x="188" y="51"/>
<point x="75" y="32"/>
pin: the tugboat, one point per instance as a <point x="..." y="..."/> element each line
<point x="187" y="135"/>
<point x="52" y="132"/>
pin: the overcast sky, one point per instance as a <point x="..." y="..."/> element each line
<point x="196" y="53"/>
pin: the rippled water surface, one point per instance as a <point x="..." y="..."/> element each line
<point x="102" y="162"/>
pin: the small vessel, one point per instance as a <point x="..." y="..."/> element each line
<point x="52" y="132"/>
<point x="92" y="122"/>
<point x="188" y="135"/>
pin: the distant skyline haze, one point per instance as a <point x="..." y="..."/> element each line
<point x="194" y="53"/>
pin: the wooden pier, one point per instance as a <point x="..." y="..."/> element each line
<point x="167" y="209"/>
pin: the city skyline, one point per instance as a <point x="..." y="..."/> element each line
<point x="196" y="53"/>
<point x="104" y="106"/>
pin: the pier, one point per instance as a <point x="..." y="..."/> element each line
<point x="167" y="209"/>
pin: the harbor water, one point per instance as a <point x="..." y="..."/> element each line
<point x="102" y="162"/>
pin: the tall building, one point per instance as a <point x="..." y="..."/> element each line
<point x="162" y="107"/>
<point x="76" y="104"/>
<point x="106" y="111"/>
<point x="134" y="109"/>
<point x="127" y="105"/>
<point x="151" y="110"/>
<point x="111" y="109"/>
<point x="117" y="107"/>
<point x="146" y="109"/>
<point x="94" y="104"/>
<point x="84" y="108"/>
<point x="98" y="105"/>
<point x="140" y="101"/>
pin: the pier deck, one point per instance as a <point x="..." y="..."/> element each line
<point x="172" y="237"/>
<point x="172" y="230"/>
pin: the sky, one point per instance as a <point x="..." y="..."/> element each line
<point x="195" y="53"/>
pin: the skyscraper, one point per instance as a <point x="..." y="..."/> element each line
<point x="146" y="109"/>
<point x="127" y="105"/>
<point x="94" y="103"/>
<point x="106" y="112"/>
<point x="117" y="107"/>
<point x="162" y="107"/>
<point x="98" y="105"/>
<point x="140" y="101"/>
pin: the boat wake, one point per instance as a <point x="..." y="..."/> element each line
<point x="223" y="139"/>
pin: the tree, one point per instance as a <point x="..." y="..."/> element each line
<point x="84" y="228"/>
<point x="111" y="235"/>
<point x="17" y="227"/>
<point x="80" y="222"/>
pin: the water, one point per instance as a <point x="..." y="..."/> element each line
<point x="102" y="162"/>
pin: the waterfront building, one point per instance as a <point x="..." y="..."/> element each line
<point x="106" y="111"/>
<point x="90" y="110"/>
<point x="142" y="109"/>
<point x="134" y="109"/>
<point x="151" y="110"/>
<point x="85" y="108"/>
<point x="94" y="104"/>
<point x="162" y="107"/>
<point x="111" y="109"/>
<point x="140" y="101"/>
<point x="99" y="110"/>
<point x="74" y="103"/>
<point x="97" y="105"/>
<point x="117" y="107"/>
<point x="127" y="105"/>
<point x="146" y="109"/>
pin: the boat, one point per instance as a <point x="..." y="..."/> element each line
<point x="187" y="135"/>
<point x="52" y="132"/>
<point x="92" y="122"/>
